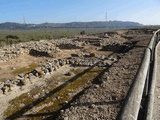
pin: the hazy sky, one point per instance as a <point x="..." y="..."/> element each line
<point x="40" y="11"/>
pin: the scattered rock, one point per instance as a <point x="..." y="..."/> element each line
<point x="65" y="118"/>
<point x="1" y="91"/>
<point x="6" y="89"/>
<point x="93" y="106"/>
<point x="69" y="74"/>
<point x="96" y="86"/>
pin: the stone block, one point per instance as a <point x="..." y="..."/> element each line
<point x="1" y="92"/>
<point x="6" y="89"/>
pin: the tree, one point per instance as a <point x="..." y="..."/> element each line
<point x="12" y="37"/>
<point x="82" y="32"/>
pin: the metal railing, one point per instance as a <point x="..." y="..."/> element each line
<point x="142" y="82"/>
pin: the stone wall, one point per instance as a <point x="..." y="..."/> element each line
<point x="39" y="72"/>
<point x="10" y="52"/>
<point x="37" y="48"/>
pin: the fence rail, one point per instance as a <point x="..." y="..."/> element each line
<point x="142" y="84"/>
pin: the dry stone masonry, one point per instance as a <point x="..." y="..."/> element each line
<point x="49" y="68"/>
<point x="36" y="48"/>
<point x="10" y="52"/>
<point x="39" y="72"/>
<point x="48" y="49"/>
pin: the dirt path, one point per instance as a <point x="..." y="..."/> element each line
<point x="105" y="99"/>
<point x="156" y="102"/>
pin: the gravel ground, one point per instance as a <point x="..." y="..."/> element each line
<point x="104" y="95"/>
<point x="105" y="98"/>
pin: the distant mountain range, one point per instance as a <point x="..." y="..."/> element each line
<point x="96" y="24"/>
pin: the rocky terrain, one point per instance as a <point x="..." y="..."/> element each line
<point x="86" y="77"/>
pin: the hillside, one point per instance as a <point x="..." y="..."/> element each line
<point x="96" y="24"/>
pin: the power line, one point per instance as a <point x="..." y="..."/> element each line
<point x="24" y="21"/>
<point x="106" y="17"/>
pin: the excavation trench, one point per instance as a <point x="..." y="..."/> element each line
<point x="49" y="96"/>
<point x="52" y="98"/>
<point x="56" y="93"/>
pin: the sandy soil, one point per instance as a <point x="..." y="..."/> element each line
<point x="23" y="61"/>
